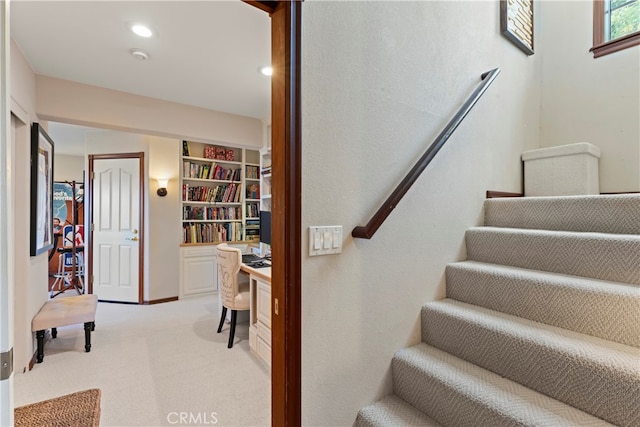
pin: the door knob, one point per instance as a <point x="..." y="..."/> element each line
<point x="135" y="239"/>
<point x="135" y="231"/>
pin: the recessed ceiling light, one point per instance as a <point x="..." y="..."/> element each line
<point x="139" y="54"/>
<point x="267" y="71"/>
<point x="141" y="30"/>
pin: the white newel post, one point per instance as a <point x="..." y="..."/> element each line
<point x="564" y="170"/>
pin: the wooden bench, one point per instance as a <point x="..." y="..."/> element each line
<point x="64" y="311"/>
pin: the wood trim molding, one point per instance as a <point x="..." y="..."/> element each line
<point x="616" y="45"/>
<point x="160" y="301"/>
<point x="286" y="186"/>
<point x="286" y="384"/>
<point x="264" y="5"/>
<point x="496" y="194"/>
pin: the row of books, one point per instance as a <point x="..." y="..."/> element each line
<point x="224" y="193"/>
<point x="252" y="172"/>
<point x="252" y="234"/>
<point x="212" y="213"/>
<point x="211" y="233"/>
<point x="253" y="210"/>
<point x="209" y="171"/>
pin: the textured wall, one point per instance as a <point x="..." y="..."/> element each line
<point x="586" y="99"/>
<point x="30" y="273"/>
<point x="380" y="81"/>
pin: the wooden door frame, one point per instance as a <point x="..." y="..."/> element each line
<point x="89" y="216"/>
<point x="286" y="186"/>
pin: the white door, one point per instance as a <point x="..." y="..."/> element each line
<point x="116" y="229"/>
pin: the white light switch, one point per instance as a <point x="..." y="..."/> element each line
<point x="337" y="238"/>
<point x="325" y="240"/>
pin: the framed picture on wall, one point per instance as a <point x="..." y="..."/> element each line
<point x="41" y="190"/>
<point x="516" y="23"/>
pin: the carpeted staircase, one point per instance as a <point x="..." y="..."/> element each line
<point x="540" y="327"/>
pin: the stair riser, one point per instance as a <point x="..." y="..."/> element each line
<point x="595" y="388"/>
<point x="604" y="310"/>
<point x="605" y="257"/>
<point x="602" y="214"/>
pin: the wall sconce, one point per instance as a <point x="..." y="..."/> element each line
<point x="162" y="187"/>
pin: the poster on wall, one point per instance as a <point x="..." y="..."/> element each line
<point x="63" y="204"/>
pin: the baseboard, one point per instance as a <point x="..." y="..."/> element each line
<point x="623" y="192"/>
<point x="47" y="337"/>
<point x="160" y="301"/>
<point x="32" y="362"/>
<point x="497" y="194"/>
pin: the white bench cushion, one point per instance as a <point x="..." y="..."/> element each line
<point x="66" y="311"/>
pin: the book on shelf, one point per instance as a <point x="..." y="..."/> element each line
<point x="253" y="191"/>
<point x="185" y="148"/>
<point x="211" y="232"/>
<point x="253" y="210"/>
<point x="252" y="172"/>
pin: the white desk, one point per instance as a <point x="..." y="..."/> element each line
<point x="259" y="311"/>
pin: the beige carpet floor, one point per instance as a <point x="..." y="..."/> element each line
<point x="156" y="365"/>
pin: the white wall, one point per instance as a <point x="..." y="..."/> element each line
<point x="165" y="224"/>
<point x="586" y="99"/>
<point x="30" y="272"/>
<point x="380" y="81"/>
<point x="161" y="266"/>
<point x="68" y="168"/>
<point x="76" y="103"/>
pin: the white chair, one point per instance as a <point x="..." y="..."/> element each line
<point x="235" y="294"/>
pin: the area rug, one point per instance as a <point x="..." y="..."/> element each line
<point x="80" y="409"/>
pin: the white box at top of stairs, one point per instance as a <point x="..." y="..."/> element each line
<point x="564" y="170"/>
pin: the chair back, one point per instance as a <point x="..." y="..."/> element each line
<point x="229" y="261"/>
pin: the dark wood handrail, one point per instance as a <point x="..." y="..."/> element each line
<point x="367" y="231"/>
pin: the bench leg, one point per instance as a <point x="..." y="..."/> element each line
<point x="54" y="332"/>
<point x="40" y="350"/>
<point x="87" y="336"/>
<point x="93" y="326"/>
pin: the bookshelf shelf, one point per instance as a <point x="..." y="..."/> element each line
<point x="215" y="204"/>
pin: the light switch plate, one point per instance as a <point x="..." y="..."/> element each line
<point x="325" y="240"/>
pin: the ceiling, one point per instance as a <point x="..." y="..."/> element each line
<point x="203" y="53"/>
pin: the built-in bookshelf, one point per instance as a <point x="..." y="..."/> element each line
<point x="252" y="196"/>
<point x="265" y="185"/>
<point x="216" y="184"/>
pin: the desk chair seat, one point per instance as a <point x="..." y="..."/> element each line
<point x="235" y="294"/>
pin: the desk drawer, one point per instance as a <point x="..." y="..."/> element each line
<point x="264" y="332"/>
<point x="264" y="350"/>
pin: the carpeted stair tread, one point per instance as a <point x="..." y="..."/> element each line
<point x="613" y="257"/>
<point x="457" y="393"/>
<point x="391" y="411"/>
<point x="603" y="309"/>
<point x="597" y="376"/>
<point x="617" y="213"/>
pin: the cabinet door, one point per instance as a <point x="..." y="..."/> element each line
<point x="263" y="303"/>
<point x="199" y="271"/>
